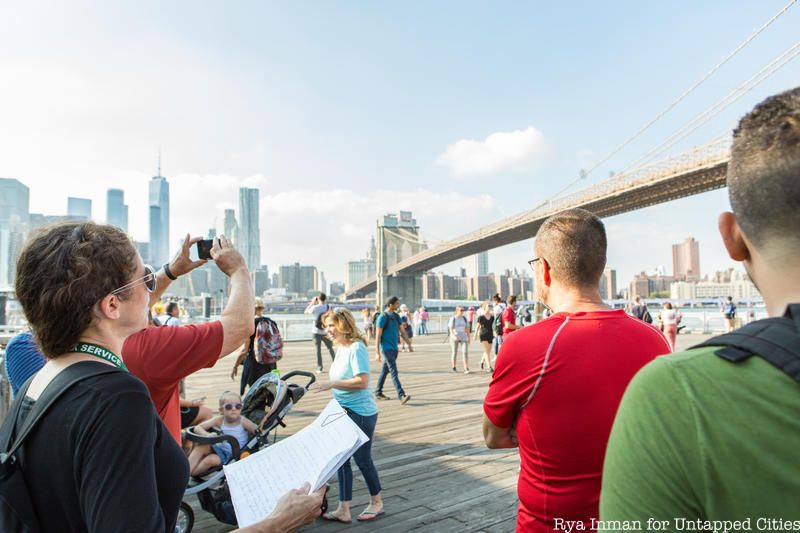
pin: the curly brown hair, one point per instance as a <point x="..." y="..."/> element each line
<point x="63" y="271"/>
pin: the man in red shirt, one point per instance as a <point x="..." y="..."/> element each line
<point x="557" y="384"/>
<point x="162" y="356"/>
<point x="509" y="316"/>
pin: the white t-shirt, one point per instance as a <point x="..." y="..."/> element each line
<point x="670" y="317"/>
<point x="319" y="309"/>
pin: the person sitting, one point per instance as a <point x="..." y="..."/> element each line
<point x="229" y="422"/>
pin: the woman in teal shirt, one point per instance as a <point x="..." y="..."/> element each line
<point x="349" y="383"/>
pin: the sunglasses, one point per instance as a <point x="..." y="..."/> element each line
<point x="149" y="280"/>
<point x="232" y="406"/>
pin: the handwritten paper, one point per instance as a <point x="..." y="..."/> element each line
<point x="311" y="455"/>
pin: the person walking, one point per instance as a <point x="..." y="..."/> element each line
<point x="458" y="328"/>
<point x="484" y="332"/>
<point x="348" y="381"/>
<point x="640" y="311"/>
<point x="406" y="332"/>
<point x="728" y="310"/>
<point x="423" y="317"/>
<point x="498" y="306"/>
<point x="417" y="322"/>
<point x="471" y="318"/>
<point x="547" y="373"/>
<point x="387" y="333"/>
<point x="316" y="308"/>
<point x="669" y="318"/>
<point x="509" y="317"/>
<point x="367" y="325"/>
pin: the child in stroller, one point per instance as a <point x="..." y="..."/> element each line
<point x="265" y="405"/>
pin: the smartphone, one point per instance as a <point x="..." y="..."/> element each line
<point x="204" y="248"/>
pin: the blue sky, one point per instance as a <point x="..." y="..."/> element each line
<point x="339" y="111"/>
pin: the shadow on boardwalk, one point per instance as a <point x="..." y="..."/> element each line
<point x="436" y="473"/>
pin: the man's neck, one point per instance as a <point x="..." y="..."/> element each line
<point x="575" y="300"/>
<point x="778" y="286"/>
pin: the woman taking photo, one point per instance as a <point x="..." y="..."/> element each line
<point x="100" y="459"/>
<point x="349" y="382"/>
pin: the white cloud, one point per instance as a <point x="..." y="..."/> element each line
<point x="516" y="151"/>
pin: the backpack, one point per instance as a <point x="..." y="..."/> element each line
<point x="498" y="323"/>
<point x="775" y="339"/>
<point x="729" y="310"/>
<point x="318" y="320"/>
<point x="389" y="317"/>
<point x="268" y="344"/>
<point x="16" y="507"/>
<point x="647" y="317"/>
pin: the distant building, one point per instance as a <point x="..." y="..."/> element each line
<point x="738" y="286"/>
<point x="297" y="279"/>
<point x="336" y="288"/>
<point x="608" y="284"/>
<point x="144" y="251"/>
<point x="481" y="287"/>
<point x="261" y="280"/>
<point x="645" y="286"/>
<point x="686" y="260"/>
<point x="399" y="237"/>
<point x="231" y="227"/>
<point x="14" y="220"/>
<point x="249" y="241"/>
<point x="362" y="269"/>
<point x="477" y="265"/>
<point x="14" y="201"/>
<point x="158" y="202"/>
<point x="79" y="208"/>
<point x="116" y="210"/>
<point x="320" y="285"/>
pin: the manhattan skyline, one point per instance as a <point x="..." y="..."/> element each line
<point x="460" y="113"/>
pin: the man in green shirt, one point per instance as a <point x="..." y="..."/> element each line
<point x="699" y="440"/>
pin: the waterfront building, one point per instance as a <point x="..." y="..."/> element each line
<point x="477" y="265"/>
<point x="686" y="260"/>
<point x="79" y="208"/>
<point x="116" y="210"/>
<point x="249" y="241"/>
<point x="261" y="281"/>
<point x="14" y="220"/>
<point x="738" y="286"/>
<point x="14" y="201"/>
<point x="298" y="279"/>
<point x="144" y="251"/>
<point x="480" y="287"/>
<point x="335" y="289"/>
<point x="645" y="286"/>
<point x="159" y="219"/>
<point x="608" y="284"/>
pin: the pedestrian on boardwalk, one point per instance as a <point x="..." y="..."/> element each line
<point x="498" y="306"/>
<point x="417" y="322"/>
<point x="316" y="308"/>
<point x="406" y="333"/>
<point x="348" y="380"/>
<point x="669" y="318"/>
<point x="547" y="373"/>
<point x="367" y="325"/>
<point x="423" y="316"/>
<point x="640" y="311"/>
<point x="387" y="333"/>
<point x="252" y="369"/>
<point x="458" y="329"/>
<point x="484" y="332"/>
<point x="712" y="433"/>
<point x="728" y="310"/>
<point x="509" y="317"/>
<point x="471" y="318"/>
<point x="173" y="314"/>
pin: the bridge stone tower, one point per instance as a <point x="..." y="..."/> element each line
<point x="398" y="239"/>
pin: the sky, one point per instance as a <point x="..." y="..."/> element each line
<point x="462" y="112"/>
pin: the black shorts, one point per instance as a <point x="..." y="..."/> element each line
<point x="486" y="338"/>
<point x="188" y="414"/>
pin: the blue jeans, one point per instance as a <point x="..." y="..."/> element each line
<point x="363" y="458"/>
<point x="498" y="340"/>
<point x="389" y="367"/>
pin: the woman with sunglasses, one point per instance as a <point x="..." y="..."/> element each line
<point x="349" y="383"/>
<point x="100" y="459"/>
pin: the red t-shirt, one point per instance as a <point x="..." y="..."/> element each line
<point x="509" y="316"/>
<point x="161" y="357"/>
<point x="578" y="366"/>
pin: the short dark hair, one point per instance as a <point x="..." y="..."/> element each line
<point x="393" y="300"/>
<point x="574" y="244"/>
<point x="171" y="307"/>
<point x="63" y="271"/>
<point x="764" y="171"/>
<point x="512" y="300"/>
<point x="322" y="297"/>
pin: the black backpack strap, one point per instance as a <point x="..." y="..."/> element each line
<point x="52" y="392"/>
<point x="775" y="339"/>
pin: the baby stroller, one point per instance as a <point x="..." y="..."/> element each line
<point x="266" y="403"/>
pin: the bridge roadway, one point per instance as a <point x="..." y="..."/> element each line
<point x="696" y="171"/>
<point x="437" y="474"/>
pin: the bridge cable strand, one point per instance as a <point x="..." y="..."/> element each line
<point x="694" y="123"/>
<point x="691" y="89"/>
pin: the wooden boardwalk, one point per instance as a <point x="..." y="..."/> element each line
<point x="436" y="472"/>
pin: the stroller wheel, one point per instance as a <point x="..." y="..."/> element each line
<point x="185" y="518"/>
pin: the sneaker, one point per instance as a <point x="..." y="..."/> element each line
<point x="381" y="396"/>
<point x="481" y="366"/>
<point x="319" y="371"/>
<point x="404" y="399"/>
<point x="466" y="371"/>
<point x="454" y="369"/>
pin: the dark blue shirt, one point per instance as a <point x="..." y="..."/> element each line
<point x="23" y="359"/>
<point x="389" y="321"/>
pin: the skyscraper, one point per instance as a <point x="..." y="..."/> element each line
<point x="14" y="201"/>
<point x="608" y="284"/>
<point x="477" y="265"/>
<point x="249" y="241"/>
<point x="686" y="260"/>
<point x="159" y="219"/>
<point x="231" y="227"/>
<point x="116" y="210"/>
<point x="79" y="208"/>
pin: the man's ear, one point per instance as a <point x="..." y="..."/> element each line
<point x="108" y="307"/>
<point x="732" y="237"/>
<point x="546" y="272"/>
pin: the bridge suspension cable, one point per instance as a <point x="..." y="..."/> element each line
<point x="700" y="119"/>
<point x="686" y="93"/>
